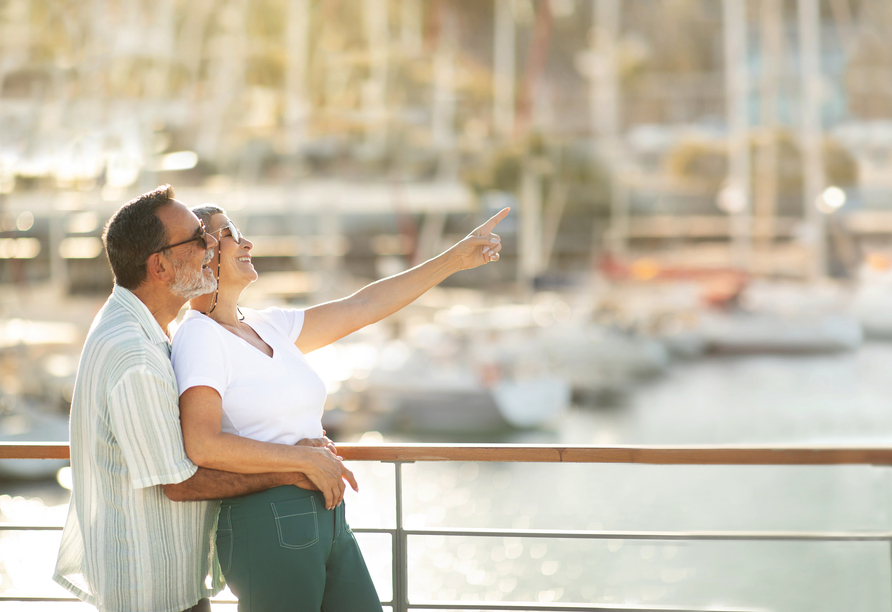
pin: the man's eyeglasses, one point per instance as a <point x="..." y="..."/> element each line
<point x="200" y="235"/>
<point x="233" y="231"/>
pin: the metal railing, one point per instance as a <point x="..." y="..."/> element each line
<point x="400" y="454"/>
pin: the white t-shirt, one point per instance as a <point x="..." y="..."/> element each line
<point x="271" y="399"/>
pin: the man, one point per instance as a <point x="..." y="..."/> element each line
<point x="139" y="532"/>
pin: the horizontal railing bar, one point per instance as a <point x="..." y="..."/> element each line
<point x="462" y="606"/>
<point x="490" y="605"/>
<point x="21" y="527"/>
<point x="660" y="455"/>
<point x="804" y="536"/>
<point x="37" y="598"/>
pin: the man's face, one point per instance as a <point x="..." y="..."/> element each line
<point x="189" y="282"/>
<point x="192" y="276"/>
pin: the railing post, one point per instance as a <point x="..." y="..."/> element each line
<point x="400" y="548"/>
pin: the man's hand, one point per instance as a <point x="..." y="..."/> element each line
<point x="300" y="480"/>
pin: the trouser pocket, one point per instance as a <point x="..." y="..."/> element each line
<point x="296" y="522"/>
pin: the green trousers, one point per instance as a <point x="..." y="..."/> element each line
<point x="282" y="551"/>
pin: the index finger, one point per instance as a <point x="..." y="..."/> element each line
<point x="494" y="220"/>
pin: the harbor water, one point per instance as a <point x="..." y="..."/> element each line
<point x="828" y="399"/>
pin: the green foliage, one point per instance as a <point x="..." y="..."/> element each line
<point x="575" y="165"/>
<point x="703" y="164"/>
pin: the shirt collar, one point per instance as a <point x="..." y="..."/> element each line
<point x="141" y="313"/>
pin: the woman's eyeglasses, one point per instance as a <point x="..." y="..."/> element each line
<point x="233" y="231"/>
<point x="200" y="235"/>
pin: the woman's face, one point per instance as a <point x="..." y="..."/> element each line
<point x="235" y="258"/>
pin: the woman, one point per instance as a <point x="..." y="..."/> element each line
<point x="250" y="403"/>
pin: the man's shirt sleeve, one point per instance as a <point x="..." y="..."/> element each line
<point x="145" y="419"/>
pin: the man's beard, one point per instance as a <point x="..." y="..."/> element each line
<point x="189" y="283"/>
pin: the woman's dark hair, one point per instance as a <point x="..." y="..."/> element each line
<point x="134" y="233"/>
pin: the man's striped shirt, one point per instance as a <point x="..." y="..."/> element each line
<point x="126" y="546"/>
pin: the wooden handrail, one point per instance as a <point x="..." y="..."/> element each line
<point x="34" y="450"/>
<point x="656" y="455"/>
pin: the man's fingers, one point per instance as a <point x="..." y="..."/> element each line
<point x="335" y="494"/>
<point x="329" y="497"/>
<point x="487" y="227"/>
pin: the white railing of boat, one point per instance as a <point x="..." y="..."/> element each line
<point x="400" y="454"/>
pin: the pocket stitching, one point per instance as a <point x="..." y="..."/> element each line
<point x="279" y="526"/>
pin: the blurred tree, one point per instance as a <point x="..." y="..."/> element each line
<point x="868" y="70"/>
<point x="572" y="164"/>
<point x="703" y="166"/>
